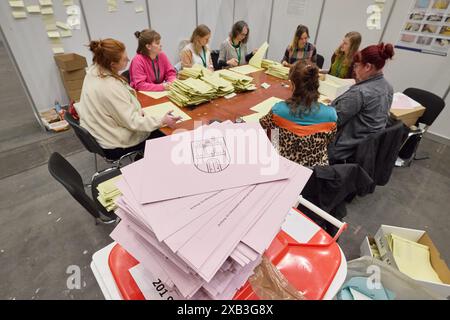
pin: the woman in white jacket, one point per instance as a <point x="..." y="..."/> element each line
<point x="108" y="107"/>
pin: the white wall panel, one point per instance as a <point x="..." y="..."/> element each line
<point x="287" y="15"/>
<point x="174" y="20"/>
<point x="218" y="16"/>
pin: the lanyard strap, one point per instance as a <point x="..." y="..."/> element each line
<point x="156" y="70"/>
<point x="238" y="52"/>
<point x="294" y="55"/>
<point x="203" y="57"/>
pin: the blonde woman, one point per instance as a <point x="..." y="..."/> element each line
<point x="197" y="51"/>
<point x="342" y="63"/>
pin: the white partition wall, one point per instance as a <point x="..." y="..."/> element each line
<point x="119" y="25"/>
<point x="174" y="20"/>
<point x="218" y="16"/>
<point x="257" y="15"/>
<point x="32" y="50"/>
<point x="334" y="25"/>
<point x="287" y="15"/>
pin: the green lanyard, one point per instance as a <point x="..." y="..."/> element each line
<point x="203" y="57"/>
<point x="155" y="70"/>
<point x="238" y="52"/>
<point x="339" y="67"/>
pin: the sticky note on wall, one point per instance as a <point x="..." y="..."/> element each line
<point x="34" y="9"/>
<point x="16" y="4"/>
<point x="19" y="14"/>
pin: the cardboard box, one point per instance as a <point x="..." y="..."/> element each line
<point x="73" y="75"/>
<point x="73" y="85"/>
<point x="421" y="237"/>
<point x="408" y="116"/>
<point x="70" y="61"/>
<point x="74" y="95"/>
<point x="333" y="87"/>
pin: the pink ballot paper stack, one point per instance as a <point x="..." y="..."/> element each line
<point x="202" y="206"/>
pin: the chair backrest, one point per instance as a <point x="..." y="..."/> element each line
<point x="85" y="137"/>
<point x="433" y="104"/>
<point x="126" y="75"/>
<point x="320" y="61"/>
<point x="215" y="59"/>
<point x="69" y="177"/>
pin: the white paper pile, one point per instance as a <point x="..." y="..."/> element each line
<point x="202" y="207"/>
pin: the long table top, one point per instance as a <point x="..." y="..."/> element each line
<point x="226" y="109"/>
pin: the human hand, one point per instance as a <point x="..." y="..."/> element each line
<point x="284" y="63"/>
<point x="166" y="85"/>
<point x="232" y="62"/>
<point x="170" y="120"/>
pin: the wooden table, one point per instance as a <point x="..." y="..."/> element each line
<point x="226" y="109"/>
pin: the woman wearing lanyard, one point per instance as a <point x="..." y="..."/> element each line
<point x="197" y="51"/>
<point x="150" y="69"/>
<point x="342" y="63"/>
<point x="300" y="48"/>
<point x="233" y="51"/>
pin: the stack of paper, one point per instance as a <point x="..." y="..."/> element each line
<point x="279" y="71"/>
<point x="413" y="259"/>
<point x="195" y="72"/>
<point x="240" y="82"/>
<point x="191" y="92"/>
<point x="108" y="193"/>
<point x="266" y="63"/>
<point x="199" y="213"/>
<point x="222" y="86"/>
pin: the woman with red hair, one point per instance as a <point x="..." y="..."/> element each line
<point x="364" y="108"/>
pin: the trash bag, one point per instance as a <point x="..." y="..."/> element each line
<point x="381" y="276"/>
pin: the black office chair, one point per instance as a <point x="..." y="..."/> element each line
<point x="433" y="106"/>
<point x="215" y="59"/>
<point x="320" y="61"/>
<point x="69" y="177"/>
<point x="92" y="145"/>
<point x="126" y="75"/>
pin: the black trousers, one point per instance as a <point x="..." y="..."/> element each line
<point x="115" y="154"/>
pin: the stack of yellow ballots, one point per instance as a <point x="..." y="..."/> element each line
<point x="195" y="72"/>
<point x="222" y="86"/>
<point x="108" y="193"/>
<point x="279" y="71"/>
<point x="240" y="82"/>
<point x="191" y="92"/>
<point x="266" y="63"/>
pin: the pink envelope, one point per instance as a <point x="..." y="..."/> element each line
<point x="222" y="157"/>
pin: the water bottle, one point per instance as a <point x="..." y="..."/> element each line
<point x="59" y="110"/>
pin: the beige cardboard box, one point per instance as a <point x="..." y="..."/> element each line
<point x="73" y="75"/>
<point x="70" y="61"/>
<point x="73" y="85"/>
<point x="408" y="116"/>
<point x="419" y="236"/>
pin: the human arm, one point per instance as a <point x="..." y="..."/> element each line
<point x="348" y="105"/>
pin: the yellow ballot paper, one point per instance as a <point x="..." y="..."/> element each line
<point x="34" y="9"/>
<point x="265" y="106"/>
<point x="155" y="94"/>
<point x="253" y="117"/>
<point x="257" y="58"/>
<point x="159" y="110"/>
<point x="413" y="259"/>
<point x="245" y="69"/>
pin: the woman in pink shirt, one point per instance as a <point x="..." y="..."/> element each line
<point x="150" y="69"/>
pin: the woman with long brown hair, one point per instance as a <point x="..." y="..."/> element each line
<point x="300" y="48"/>
<point x="197" y="51"/>
<point x="306" y="126"/>
<point x="108" y="107"/>
<point x="342" y="63"/>
<point x="150" y="69"/>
